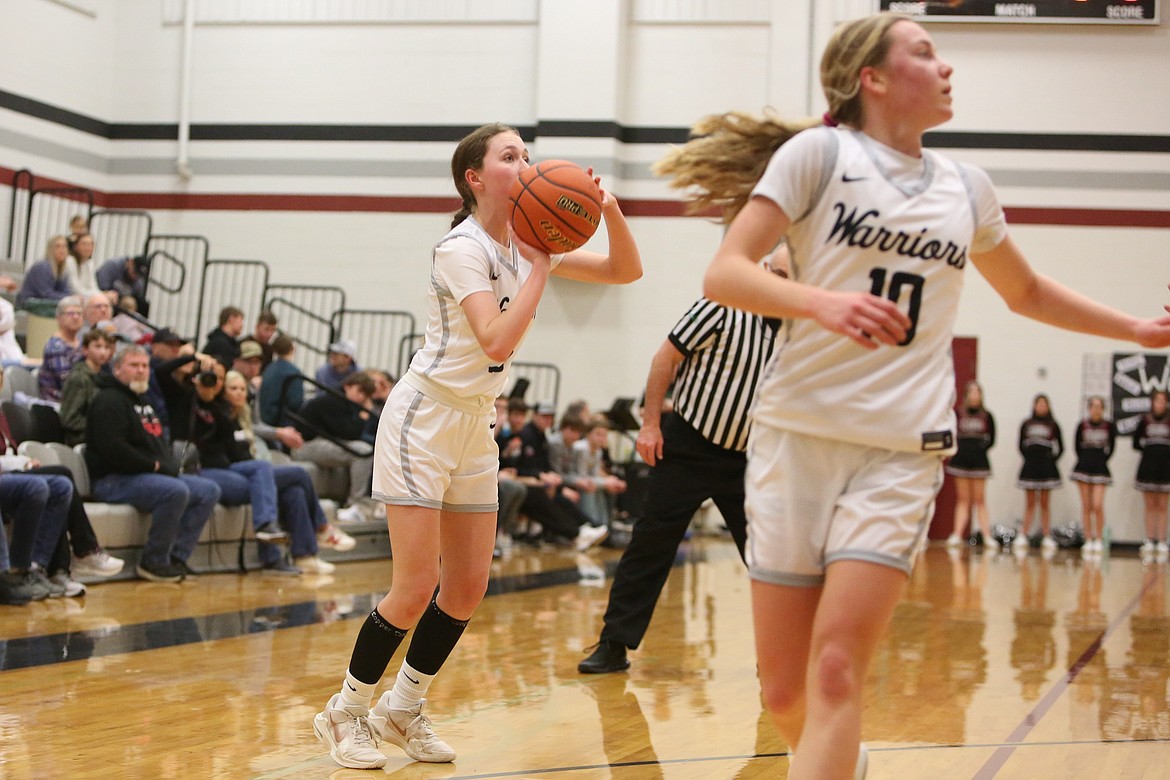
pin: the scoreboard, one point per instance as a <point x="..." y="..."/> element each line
<point x="1042" y="11"/>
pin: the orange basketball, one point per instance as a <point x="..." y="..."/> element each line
<point x="555" y="206"/>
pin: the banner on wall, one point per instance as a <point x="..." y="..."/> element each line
<point x="1136" y="375"/>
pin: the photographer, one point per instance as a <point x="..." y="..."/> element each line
<point x="176" y="380"/>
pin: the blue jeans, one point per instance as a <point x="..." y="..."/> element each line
<point x="179" y="508"/>
<point x="247" y="482"/>
<point x="38" y="505"/>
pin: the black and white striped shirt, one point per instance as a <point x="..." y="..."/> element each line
<point x="725" y="351"/>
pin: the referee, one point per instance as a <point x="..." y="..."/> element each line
<point x="715" y="355"/>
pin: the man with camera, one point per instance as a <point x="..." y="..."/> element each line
<point x="131" y="462"/>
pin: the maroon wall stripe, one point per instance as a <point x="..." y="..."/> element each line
<point x="631" y="207"/>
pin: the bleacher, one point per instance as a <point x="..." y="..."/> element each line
<point x="186" y="288"/>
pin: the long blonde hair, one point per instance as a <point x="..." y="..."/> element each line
<point x="243" y="415"/>
<point x="726" y="156"/>
<point x="727" y="153"/>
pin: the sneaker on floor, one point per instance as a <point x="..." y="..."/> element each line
<point x="411" y="731"/>
<point x="56" y="589"/>
<point x="281" y="568"/>
<point x="334" y="538"/>
<point x="164" y="572"/>
<point x="14" y="591"/>
<point x="1020" y="542"/>
<point x="72" y="587"/>
<point x="1147" y="546"/>
<point x="953" y="541"/>
<point x="351" y="514"/>
<point x="590" y="535"/>
<point x="312" y="564"/>
<point x="271" y="532"/>
<point x="98" y="563"/>
<point x="1048" y="543"/>
<point x="351" y="734"/>
<point x="189" y="574"/>
<point x="1162" y="548"/>
<point x="607" y="657"/>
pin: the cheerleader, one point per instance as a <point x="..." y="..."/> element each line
<point x="1094" y="444"/>
<point x="1041" y="444"/>
<point x="970" y="467"/>
<point x="1152" y="439"/>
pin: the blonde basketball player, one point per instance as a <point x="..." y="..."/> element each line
<point x="854" y="417"/>
<point x="435" y="457"/>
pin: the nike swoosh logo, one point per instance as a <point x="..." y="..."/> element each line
<point x="493" y="425"/>
<point x="347" y="685"/>
<point x="493" y="276"/>
<point x="848" y="179"/>
<point x="407" y="676"/>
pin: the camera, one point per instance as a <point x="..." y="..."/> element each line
<point x="206" y="378"/>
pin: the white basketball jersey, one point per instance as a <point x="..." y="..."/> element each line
<point x="467" y="260"/>
<point x="868" y="218"/>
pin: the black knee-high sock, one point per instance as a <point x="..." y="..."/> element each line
<point x="375" y="646"/>
<point x="435" y="637"/>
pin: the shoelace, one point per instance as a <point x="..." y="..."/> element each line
<point x="360" y="732"/>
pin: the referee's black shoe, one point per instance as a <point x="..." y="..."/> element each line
<point x="607" y="657"/>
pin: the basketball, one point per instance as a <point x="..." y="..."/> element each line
<point x="555" y="206"/>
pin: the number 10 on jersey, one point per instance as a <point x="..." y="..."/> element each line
<point x="894" y="290"/>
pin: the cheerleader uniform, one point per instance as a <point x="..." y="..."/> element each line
<point x="1041" y="444"/>
<point x="1152" y="439"/>
<point x="976" y="435"/>
<point x="1094" y="444"/>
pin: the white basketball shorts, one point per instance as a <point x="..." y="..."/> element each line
<point x="433" y="455"/>
<point x="812" y="501"/>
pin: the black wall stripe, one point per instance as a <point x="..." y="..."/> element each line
<point x="129" y="131"/>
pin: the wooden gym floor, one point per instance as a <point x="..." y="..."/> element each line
<point x="994" y="667"/>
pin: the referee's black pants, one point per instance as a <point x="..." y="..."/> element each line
<point x="691" y="470"/>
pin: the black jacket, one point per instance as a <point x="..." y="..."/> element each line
<point x="124" y="434"/>
<point x="222" y="347"/>
<point x="336" y="416"/>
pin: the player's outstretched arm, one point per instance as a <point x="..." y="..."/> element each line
<point x="623" y="263"/>
<point x="1043" y="299"/>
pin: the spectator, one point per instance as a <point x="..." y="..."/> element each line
<point x="88" y="558"/>
<point x="264" y="333"/>
<point x="10" y="352"/>
<point x="300" y="510"/>
<point x="329" y="418"/>
<point x="280" y="371"/>
<point x="99" y="313"/>
<point x="176" y="380"/>
<point x="81" y="270"/>
<point x="126" y="276"/>
<point x="340" y="363"/>
<point x="250" y="363"/>
<point x="165" y="346"/>
<point x="62" y="350"/>
<point x="589" y="473"/>
<point x="78" y="226"/>
<point x="97" y="347"/>
<point x="508" y="433"/>
<point x="38" y="508"/>
<point x="383" y="384"/>
<point x="223" y="342"/>
<point x="45" y="279"/>
<point x="131" y="463"/>
<point x="560" y="444"/>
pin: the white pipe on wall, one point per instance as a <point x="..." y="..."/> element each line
<point x="183" y="163"/>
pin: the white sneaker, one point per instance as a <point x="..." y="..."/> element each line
<point x="1148" y="546"/>
<point x="351" y="734"/>
<point x="590" y="535"/>
<point x="351" y="514"/>
<point x="1020" y="542"/>
<point x="1162" y="548"/>
<point x="72" y="587"/>
<point x="991" y="545"/>
<point x="1098" y="545"/>
<point x="98" y="563"/>
<point x="953" y="541"/>
<point x="1048" y="543"/>
<point x="334" y="538"/>
<point x="411" y="731"/>
<point x="311" y="564"/>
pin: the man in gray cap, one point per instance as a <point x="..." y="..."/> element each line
<point x="340" y="363"/>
